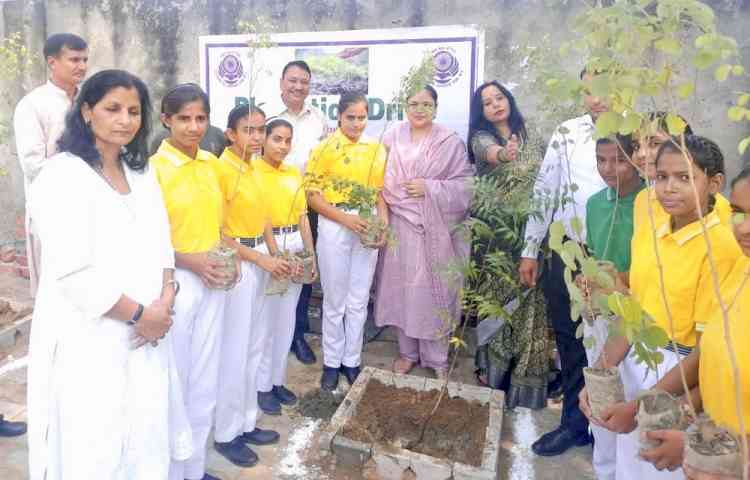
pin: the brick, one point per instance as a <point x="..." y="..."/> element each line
<point x="432" y="384"/>
<point x="390" y="463"/>
<point x="430" y="468"/>
<point x="475" y="393"/>
<point x="351" y="452"/>
<point x="383" y="376"/>
<point x="325" y="439"/>
<point x="409" y="381"/>
<point x="461" y="471"/>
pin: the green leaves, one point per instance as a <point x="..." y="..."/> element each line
<point x="607" y="124"/>
<point x="654" y="337"/>
<point x="722" y="72"/>
<point x="668" y="45"/>
<point x="675" y="124"/>
<point x="743" y="145"/>
<point x="684" y="90"/>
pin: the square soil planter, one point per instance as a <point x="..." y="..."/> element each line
<point x="390" y="459"/>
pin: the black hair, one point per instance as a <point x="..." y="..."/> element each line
<point x="181" y="94"/>
<point x="430" y="89"/>
<point x="661" y="118"/>
<point x="625" y="142"/>
<point x="241" y="111"/>
<point x="743" y="175"/>
<point x="477" y="121"/>
<point x="55" y="43"/>
<point x="299" y="64"/>
<point x="348" y="99"/>
<point x="278" y="122"/>
<point x="704" y="152"/>
<point x="78" y="138"/>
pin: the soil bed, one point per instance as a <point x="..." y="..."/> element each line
<point x="392" y="416"/>
<point x="319" y="404"/>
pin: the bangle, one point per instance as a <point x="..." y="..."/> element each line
<point x="136" y="315"/>
<point x="176" y="285"/>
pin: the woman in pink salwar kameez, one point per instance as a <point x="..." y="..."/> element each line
<point x="427" y="190"/>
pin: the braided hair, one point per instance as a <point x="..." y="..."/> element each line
<point x="704" y="152"/>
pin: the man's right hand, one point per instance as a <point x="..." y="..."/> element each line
<point x="208" y="269"/>
<point x="527" y="270"/>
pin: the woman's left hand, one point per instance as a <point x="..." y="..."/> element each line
<point x="415" y="188"/>
<point x="668" y="455"/>
<point x="314" y="271"/>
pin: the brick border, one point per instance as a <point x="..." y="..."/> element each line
<point x="391" y="462"/>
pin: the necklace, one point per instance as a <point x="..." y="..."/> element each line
<point x="122" y="197"/>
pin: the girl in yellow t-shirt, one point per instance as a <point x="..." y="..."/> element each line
<point x="247" y="228"/>
<point x="709" y="366"/>
<point x="687" y="282"/>
<point x="286" y="208"/>
<point x="195" y="208"/>
<point x="346" y="266"/>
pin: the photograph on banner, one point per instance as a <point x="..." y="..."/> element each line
<point x="372" y="62"/>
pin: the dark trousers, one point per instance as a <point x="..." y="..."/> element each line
<point x="570" y="348"/>
<point x="302" y="322"/>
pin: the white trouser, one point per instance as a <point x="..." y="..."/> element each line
<point x="635" y="379"/>
<point x="279" y="311"/>
<point x="33" y="254"/>
<point x="243" y="339"/>
<point x="196" y="340"/>
<point x="346" y="272"/>
<point x="605" y="442"/>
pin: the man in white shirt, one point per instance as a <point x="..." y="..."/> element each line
<point x="310" y="128"/>
<point x="39" y="121"/>
<point x="567" y="178"/>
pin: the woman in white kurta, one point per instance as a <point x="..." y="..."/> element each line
<point x="104" y="401"/>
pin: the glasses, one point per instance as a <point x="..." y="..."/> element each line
<point x="422" y="105"/>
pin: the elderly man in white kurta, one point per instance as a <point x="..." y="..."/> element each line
<point x="39" y="120"/>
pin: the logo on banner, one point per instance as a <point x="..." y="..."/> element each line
<point x="230" y="71"/>
<point x="447" y="68"/>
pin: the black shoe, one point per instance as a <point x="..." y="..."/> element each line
<point x="351" y="373"/>
<point x="330" y="378"/>
<point x="302" y="351"/>
<point x="559" y="441"/>
<point x="236" y="452"/>
<point x="268" y="402"/>
<point x="284" y="395"/>
<point x="206" y="476"/>
<point x="260" y="437"/>
<point x="11" y="429"/>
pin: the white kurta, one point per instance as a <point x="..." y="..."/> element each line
<point x="38" y="122"/>
<point x="98" y="409"/>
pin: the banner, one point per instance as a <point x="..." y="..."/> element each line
<point x="369" y="61"/>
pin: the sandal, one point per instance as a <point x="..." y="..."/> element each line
<point x="403" y="365"/>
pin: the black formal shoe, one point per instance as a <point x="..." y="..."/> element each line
<point x="284" y="395"/>
<point x="330" y="378"/>
<point x="260" y="437"/>
<point x="302" y="351"/>
<point x="351" y="373"/>
<point x="268" y="402"/>
<point x="237" y="452"/>
<point x="11" y="429"/>
<point x="206" y="476"/>
<point x="559" y="441"/>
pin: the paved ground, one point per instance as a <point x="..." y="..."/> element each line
<point x="296" y="457"/>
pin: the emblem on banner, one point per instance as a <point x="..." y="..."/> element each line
<point x="447" y="68"/>
<point x="230" y="71"/>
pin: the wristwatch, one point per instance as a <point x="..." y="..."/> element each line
<point x="136" y="315"/>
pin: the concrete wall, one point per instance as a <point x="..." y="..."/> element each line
<point x="158" y="40"/>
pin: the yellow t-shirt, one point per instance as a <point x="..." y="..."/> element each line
<point x="716" y="378"/>
<point x="282" y="192"/>
<point x="244" y="206"/>
<point x="687" y="276"/>
<point x="337" y="157"/>
<point x="640" y="209"/>
<point x="192" y="196"/>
